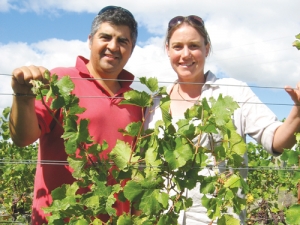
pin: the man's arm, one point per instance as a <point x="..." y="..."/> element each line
<point x="24" y="127"/>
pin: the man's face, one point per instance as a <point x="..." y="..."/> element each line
<point x="111" y="48"/>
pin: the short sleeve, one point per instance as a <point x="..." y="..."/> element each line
<point x="44" y="117"/>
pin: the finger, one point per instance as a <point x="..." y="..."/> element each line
<point x="25" y="74"/>
<point x="43" y="71"/>
<point x="297" y="91"/>
<point x="21" y="74"/>
<point x="298" y="86"/>
<point x="37" y="72"/>
<point x="294" y="93"/>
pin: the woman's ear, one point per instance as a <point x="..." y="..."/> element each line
<point x="207" y="48"/>
<point x="167" y="49"/>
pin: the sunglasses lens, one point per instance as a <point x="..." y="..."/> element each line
<point x="174" y="21"/>
<point x="179" y="19"/>
<point x="196" y="20"/>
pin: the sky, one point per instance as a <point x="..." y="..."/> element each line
<point x="251" y="40"/>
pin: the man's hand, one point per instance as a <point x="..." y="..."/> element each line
<point x="24" y="127"/>
<point x="22" y="76"/>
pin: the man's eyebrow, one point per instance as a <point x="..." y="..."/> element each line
<point x="124" y="39"/>
<point x="104" y="34"/>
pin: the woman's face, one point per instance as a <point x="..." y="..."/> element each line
<point x="187" y="52"/>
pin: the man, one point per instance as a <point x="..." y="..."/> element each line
<point x="111" y="41"/>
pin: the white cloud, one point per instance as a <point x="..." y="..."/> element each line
<point x="4" y="5"/>
<point x="48" y="53"/>
<point x="251" y="39"/>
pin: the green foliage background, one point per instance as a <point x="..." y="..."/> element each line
<point x="17" y="170"/>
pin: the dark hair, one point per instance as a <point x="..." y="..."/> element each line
<point x="116" y="16"/>
<point x="200" y="29"/>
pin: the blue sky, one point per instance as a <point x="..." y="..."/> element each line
<point x="252" y="41"/>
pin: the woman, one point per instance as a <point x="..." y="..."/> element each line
<point x="188" y="45"/>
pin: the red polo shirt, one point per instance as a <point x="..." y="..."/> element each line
<point x="105" y="116"/>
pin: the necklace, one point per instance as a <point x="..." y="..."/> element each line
<point x="188" y="100"/>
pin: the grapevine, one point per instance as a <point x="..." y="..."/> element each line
<point x="159" y="169"/>
<point x="163" y="163"/>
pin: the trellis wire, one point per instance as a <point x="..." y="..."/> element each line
<point x="211" y="167"/>
<point x="108" y="97"/>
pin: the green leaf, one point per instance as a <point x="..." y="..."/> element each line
<point x="76" y="109"/>
<point x="6" y="112"/>
<point x="72" y="189"/>
<point x="97" y="221"/>
<point x="163" y="199"/>
<point x="134" y="97"/>
<point x="132" y="190"/>
<point x="170" y="218"/>
<point x="233" y="181"/>
<point x="61" y="205"/>
<point x="296" y="177"/>
<point x="186" y="129"/>
<point x="298" y="138"/>
<point x="239" y="204"/>
<point x="58" y="103"/>
<point x="65" y="85"/>
<point x="223" y="108"/>
<point x="59" y="193"/>
<point x="95" y="149"/>
<point x="207" y="185"/>
<point x="71" y="146"/>
<point x="296" y="44"/>
<point x="109" y="205"/>
<point x="151" y="83"/>
<point x="77" y="165"/>
<point x="121" y="155"/>
<point x="56" y="220"/>
<point x="92" y="201"/>
<point x="124" y="220"/>
<point x="178" y="157"/>
<point x="100" y="188"/>
<point x="213" y="206"/>
<point x="238" y="144"/>
<point x="194" y="112"/>
<point x="149" y="204"/>
<point x="47" y="75"/>
<point x="291" y="156"/>
<point x="132" y="129"/>
<point x="228" y="220"/>
<point x="165" y="110"/>
<point x="293" y="215"/>
<point x="152" y="163"/>
<point x="80" y="222"/>
<point x="83" y="132"/>
<point x="152" y="181"/>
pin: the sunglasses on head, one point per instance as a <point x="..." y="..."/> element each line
<point x="179" y="19"/>
<point x="111" y="7"/>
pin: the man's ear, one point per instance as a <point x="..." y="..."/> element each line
<point x="90" y="41"/>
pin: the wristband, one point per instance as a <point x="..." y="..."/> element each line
<point x="20" y="94"/>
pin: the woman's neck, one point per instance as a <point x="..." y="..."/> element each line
<point x="185" y="94"/>
<point x="190" y="88"/>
